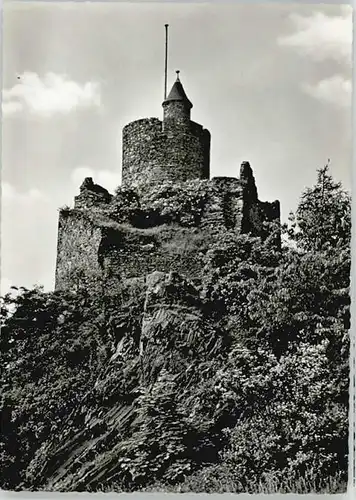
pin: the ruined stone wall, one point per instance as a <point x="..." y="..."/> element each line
<point x="91" y="196"/>
<point x="127" y="252"/>
<point x="224" y="205"/>
<point x="233" y="204"/>
<point x="255" y="212"/>
<point x="167" y="228"/>
<point x="77" y="250"/>
<point x="151" y="155"/>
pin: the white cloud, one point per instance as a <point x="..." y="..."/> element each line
<point x="11" y="107"/>
<point x="105" y="178"/>
<point x="334" y="90"/>
<point x="322" y="37"/>
<point x="48" y="95"/>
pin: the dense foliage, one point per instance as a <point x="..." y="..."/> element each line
<point x="243" y="385"/>
<point x="52" y="348"/>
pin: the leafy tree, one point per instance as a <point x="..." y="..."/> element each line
<point x="299" y="317"/>
<point x="323" y="216"/>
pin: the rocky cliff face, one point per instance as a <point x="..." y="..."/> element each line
<point x="215" y="374"/>
<point x="170" y="341"/>
<point x="146" y="253"/>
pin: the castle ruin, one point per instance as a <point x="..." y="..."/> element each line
<point x="165" y="213"/>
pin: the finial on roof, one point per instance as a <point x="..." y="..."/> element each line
<point x="177" y="93"/>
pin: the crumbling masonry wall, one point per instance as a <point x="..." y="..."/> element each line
<point x="127" y="252"/>
<point x="77" y="251"/>
<point x="96" y="243"/>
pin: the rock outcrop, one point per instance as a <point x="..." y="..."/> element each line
<point x="173" y="337"/>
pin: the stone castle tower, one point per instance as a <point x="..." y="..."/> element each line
<point x="175" y="149"/>
<point x="167" y="212"/>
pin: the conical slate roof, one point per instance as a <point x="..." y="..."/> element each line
<point x="177" y="93"/>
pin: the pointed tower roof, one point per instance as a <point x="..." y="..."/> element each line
<point x="177" y="93"/>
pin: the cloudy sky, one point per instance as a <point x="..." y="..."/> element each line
<point x="272" y="83"/>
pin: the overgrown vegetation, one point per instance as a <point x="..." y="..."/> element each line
<point x="170" y="203"/>
<point x="242" y="384"/>
<point x="53" y="345"/>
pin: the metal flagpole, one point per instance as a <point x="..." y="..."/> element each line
<point x="165" y="63"/>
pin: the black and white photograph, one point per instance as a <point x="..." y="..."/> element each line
<point x="175" y="247"/>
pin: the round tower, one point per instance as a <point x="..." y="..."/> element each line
<point x="176" y="108"/>
<point x="175" y="149"/>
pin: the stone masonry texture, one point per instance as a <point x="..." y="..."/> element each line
<point x="105" y="240"/>
<point x="77" y="255"/>
<point x="151" y="155"/>
<point x="166" y="213"/>
<point x="176" y="115"/>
